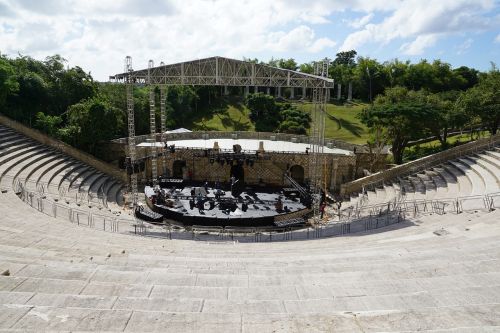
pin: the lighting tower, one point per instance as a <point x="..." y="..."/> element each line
<point x="129" y="84"/>
<point x="163" y="120"/>
<point x="318" y="136"/>
<point x="152" y="124"/>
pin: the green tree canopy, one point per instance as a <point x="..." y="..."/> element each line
<point x="483" y="100"/>
<point x="403" y="116"/>
<point x="264" y="112"/>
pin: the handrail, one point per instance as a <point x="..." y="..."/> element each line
<point x="403" y="170"/>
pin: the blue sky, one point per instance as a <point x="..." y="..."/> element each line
<point x="98" y="34"/>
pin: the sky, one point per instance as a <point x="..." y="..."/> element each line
<point x="97" y="35"/>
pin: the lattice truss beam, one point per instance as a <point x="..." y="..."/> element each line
<point x="219" y="71"/>
<point x="317" y="159"/>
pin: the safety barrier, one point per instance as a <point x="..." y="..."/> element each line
<point x="353" y="220"/>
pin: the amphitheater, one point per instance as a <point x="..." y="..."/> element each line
<point x="71" y="259"/>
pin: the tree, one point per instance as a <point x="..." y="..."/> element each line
<point x="8" y="83"/>
<point x="264" y="112"/>
<point x="470" y="75"/>
<point x="483" y="100"/>
<point x="47" y="123"/>
<point x="345" y="58"/>
<point x="402" y="116"/>
<point x="370" y="78"/>
<point x="288" y="64"/>
<point x="307" y="68"/>
<point x="293" y="120"/>
<point x="92" y="121"/>
<point x="180" y="103"/>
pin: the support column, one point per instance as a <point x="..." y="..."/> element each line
<point x="226" y="91"/>
<point x="152" y="126"/>
<point x="349" y="92"/>
<point x="163" y="128"/>
<point x="256" y="89"/>
<point x="304" y="93"/>
<point x="292" y="93"/>
<point x="247" y="90"/>
<point x="339" y="91"/>
<point x="268" y="91"/>
<point x="333" y="181"/>
<point x="279" y="92"/>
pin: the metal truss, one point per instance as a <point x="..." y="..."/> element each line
<point x="129" y="84"/>
<point x="219" y="71"/>
<point x="152" y="124"/>
<point x="316" y="161"/>
<point x="163" y="119"/>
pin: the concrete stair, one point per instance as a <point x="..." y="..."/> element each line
<point x="65" y="278"/>
<point x="60" y="176"/>
<point x="474" y="175"/>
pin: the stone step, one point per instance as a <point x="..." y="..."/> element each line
<point x="490" y="178"/>
<point x="464" y="182"/>
<point x="477" y="182"/>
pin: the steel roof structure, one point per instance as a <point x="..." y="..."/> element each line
<point x="220" y="71"/>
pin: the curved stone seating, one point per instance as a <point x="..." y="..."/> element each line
<point x="474" y="175"/>
<point x="25" y="165"/>
<point x="478" y="187"/>
<point x="489" y="179"/>
<point x="37" y="176"/>
<point x="57" y="174"/>
<point x="436" y="273"/>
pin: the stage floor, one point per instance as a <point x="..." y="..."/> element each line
<point x="261" y="209"/>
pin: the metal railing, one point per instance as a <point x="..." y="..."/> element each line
<point x="377" y="180"/>
<point x="348" y="221"/>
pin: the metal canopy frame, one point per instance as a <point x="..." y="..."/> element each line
<point x="219" y="71"/>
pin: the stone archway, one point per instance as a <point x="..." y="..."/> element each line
<point x="177" y="168"/>
<point x="297" y="173"/>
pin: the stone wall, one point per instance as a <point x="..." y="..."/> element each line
<point x="65" y="148"/>
<point x="419" y="165"/>
<point x="269" y="170"/>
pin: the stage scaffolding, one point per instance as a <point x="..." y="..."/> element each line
<point x="219" y="71"/>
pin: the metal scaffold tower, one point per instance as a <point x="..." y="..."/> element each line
<point x="131" y="129"/>
<point x="316" y="160"/>
<point x="219" y="71"/>
<point x="152" y="124"/>
<point x="163" y="120"/>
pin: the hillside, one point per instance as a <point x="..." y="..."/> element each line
<point x="341" y="121"/>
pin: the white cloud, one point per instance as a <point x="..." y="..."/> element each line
<point x="98" y="34"/>
<point x="462" y="48"/>
<point x="423" y="21"/>
<point x="497" y="39"/>
<point x="419" y="45"/>
<point x="360" y="22"/>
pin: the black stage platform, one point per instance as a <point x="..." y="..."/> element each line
<point x="216" y="205"/>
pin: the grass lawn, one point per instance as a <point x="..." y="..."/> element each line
<point x="235" y="117"/>
<point x="341" y="121"/>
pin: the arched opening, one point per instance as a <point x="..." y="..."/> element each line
<point x="238" y="172"/>
<point x="177" y="168"/>
<point x="297" y="173"/>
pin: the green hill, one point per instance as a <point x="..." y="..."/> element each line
<point x="341" y="121"/>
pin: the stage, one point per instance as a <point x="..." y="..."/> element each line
<point x="213" y="204"/>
